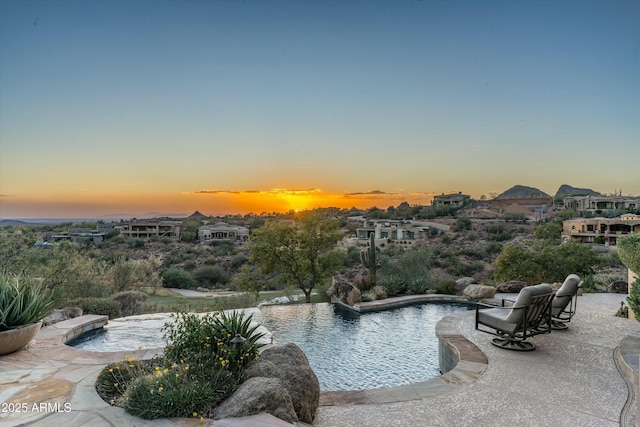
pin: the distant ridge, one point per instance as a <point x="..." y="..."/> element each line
<point x="523" y="192"/>
<point x="567" y="190"/>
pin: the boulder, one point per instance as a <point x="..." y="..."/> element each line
<point x="342" y="290"/>
<point x="61" y="314"/>
<point x="289" y="364"/>
<point x="478" y="292"/>
<point x="258" y="395"/>
<point x="618" y="287"/>
<point x="512" y="287"/>
<point x="462" y="283"/>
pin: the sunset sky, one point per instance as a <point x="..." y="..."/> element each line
<point x="143" y="107"/>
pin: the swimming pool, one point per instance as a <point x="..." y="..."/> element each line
<point x="347" y="351"/>
<point x="359" y="352"/>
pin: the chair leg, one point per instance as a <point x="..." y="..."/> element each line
<point x="558" y="326"/>
<point x="509" y="344"/>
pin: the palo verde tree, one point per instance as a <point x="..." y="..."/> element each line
<point x="303" y="252"/>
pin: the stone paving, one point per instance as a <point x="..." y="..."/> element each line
<point x="585" y="376"/>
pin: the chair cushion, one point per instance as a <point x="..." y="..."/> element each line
<point x="496" y="319"/>
<point x="565" y="293"/>
<point x="524" y="299"/>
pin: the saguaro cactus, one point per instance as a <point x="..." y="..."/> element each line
<point x="368" y="259"/>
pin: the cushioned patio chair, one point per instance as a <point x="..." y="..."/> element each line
<point x="563" y="306"/>
<point x="530" y="315"/>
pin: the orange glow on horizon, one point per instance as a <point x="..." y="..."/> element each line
<point x="209" y="202"/>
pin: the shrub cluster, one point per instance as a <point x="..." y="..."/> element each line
<point x="202" y="364"/>
<point x="104" y="306"/>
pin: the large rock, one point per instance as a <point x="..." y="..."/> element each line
<point x="478" y="292"/>
<point x="462" y="283"/>
<point x="61" y="314"/>
<point x="258" y="395"/>
<point x="289" y="364"/>
<point x="618" y="287"/>
<point x="342" y="290"/>
<point x="512" y="287"/>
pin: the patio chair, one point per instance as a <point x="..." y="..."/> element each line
<point x="530" y="315"/>
<point x="563" y="306"/>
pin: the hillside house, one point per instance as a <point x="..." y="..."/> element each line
<point x="223" y="231"/>
<point x="392" y="229"/>
<point x="454" y="200"/>
<point x="600" y="204"/>
<point x="148" y="228"/>
<point x="600" y="230"/>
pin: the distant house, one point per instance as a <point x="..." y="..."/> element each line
<point x="600" y="204"/>
<point x="80" y="235"/>
<point x="454" y="200"/>
<point x="223" y="231"/>
<point x="600" y="230"/>
<point x="392" y="229"/>
<point x="147" y="228"/>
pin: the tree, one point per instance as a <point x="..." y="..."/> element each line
<point x="549" y="232"/>
<point x="545" y="263"/>
<point x="303" y="252"/>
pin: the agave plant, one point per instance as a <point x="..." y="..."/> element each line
<point x="23" y="301"/>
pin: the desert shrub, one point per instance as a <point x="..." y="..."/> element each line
<point x="394" y="285"/>
<point x="238" y="260"/>
<point x="211" y="275"/>
<point x="131" y="302"/>
<point x="473" y="253"/>
<point x="115" y="378"/>
<point x="177" y="394"/>
<point x="493" y="248"/>
<point x="446" y="287"/>
<point x="189" y="265"/>
<point x="178" y="278"/>
<point x="629" y="251"/>
<point x="462" y="224"/>
<point x="135" y="243"/>
<point x="545" y="263"/>
<point x="634" y="298"/>
<point x="446" y="239"/>
<point x="549" y="232"/>
<point x="104" y="306"/>
<point x="417" y="286"/>
<point x="589" y="284"/>
<point x="204" y="342"/>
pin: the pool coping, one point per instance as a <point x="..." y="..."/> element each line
<point x="469" y="361"/>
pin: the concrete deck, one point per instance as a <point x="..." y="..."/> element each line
<point x="585" y="376"/>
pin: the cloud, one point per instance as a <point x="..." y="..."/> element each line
<point x="7" y="195"/>
<point x="367" y="193"/>
<point x="271" y="192"/>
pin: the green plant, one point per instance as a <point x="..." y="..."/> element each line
<point x="368" y="259"/>
<point x="178" y="278"/>
<point x="589" y="284"/>
<point x="211" y="275"/>
<point x="103" y="306"/>
<point x="447" y="287"/>
<point x="629" y="251"/>
<point x="176" y="393"/>
<point x="394" y="285"/>
<point x="634" y="298"/>
<point x="418" y="286"/>
<point x="23" y="301"/>
<point x="205" y="342"/>
<point x="115" y="378"/>
<point x="462" y="224"/>
<point x="131" y="302"/>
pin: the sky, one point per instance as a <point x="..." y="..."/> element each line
<point x="142" y="107"/>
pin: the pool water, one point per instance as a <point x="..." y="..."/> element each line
<point x="347" y="351"/>
<point x="351" y="352"/>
